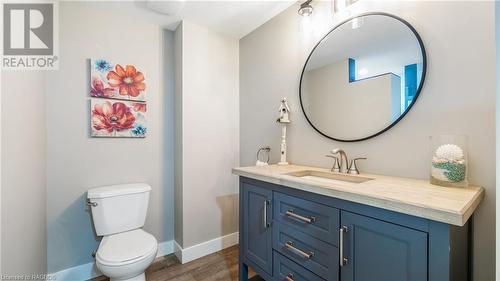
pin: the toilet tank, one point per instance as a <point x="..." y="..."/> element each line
<point x="118" y="208"/>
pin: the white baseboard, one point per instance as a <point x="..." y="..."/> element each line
<point x="206" y="248"/>
<point x="89" y="270"/>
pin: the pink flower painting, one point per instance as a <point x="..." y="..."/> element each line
<point x="139" y="106"/>
<point x="98" y="89"/>
<point x="116" y="81"/>
<point x="129" y="81"/>
<point x="113" y="118"/>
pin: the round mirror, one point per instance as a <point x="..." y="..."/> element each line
<point x="362" y="77"/>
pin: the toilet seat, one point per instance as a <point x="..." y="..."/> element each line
<point x="126" y="248"/>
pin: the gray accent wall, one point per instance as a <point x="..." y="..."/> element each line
<point x="167" y="64"/>
<point x="77" y="162"/>
<point x="458" y="98"/>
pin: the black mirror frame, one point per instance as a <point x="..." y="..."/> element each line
<point x="419" y="89"/>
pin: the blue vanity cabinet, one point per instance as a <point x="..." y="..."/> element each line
<point x="288" y="234"/>
<point x="306" y="251"/>
<point x="286" y="269"/>
<point x="256" y="225"/>
<point x="317" y="220"/>
<point x="379" y="251"/>
<point x="306" y="232"/>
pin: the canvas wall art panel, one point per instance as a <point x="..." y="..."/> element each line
<point x="118" y="118"/>
<point x="116" y="81"/>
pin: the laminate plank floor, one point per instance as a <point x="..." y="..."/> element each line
<point x="219" y="266"/>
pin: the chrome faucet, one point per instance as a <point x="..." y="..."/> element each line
<point x="340" y="165"/>
<point x="335" y="167"/>
<point x="343" y="162"/>
<point x="353" y="168"/>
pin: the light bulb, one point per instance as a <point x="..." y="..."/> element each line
<point x="305" y="9"/>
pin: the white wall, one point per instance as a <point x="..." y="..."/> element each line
<point x="458" y="98"/>
<point x="208" y="122"/>
<point x="23" y="173"/>
<point x="76" y="162"/>
<point x="331" y="98"/>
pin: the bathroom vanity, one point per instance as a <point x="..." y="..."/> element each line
<point x="305" y="223"/>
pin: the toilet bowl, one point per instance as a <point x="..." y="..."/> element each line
<point x="119" y="213"/>
<point x="125" y="256"/>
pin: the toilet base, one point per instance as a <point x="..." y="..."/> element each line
<point x="140" y="277"/>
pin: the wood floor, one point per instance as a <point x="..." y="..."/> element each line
<point x="220" y="266"/>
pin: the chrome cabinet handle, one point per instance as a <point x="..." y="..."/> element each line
<point x="91" y="204"/>
<point x="264" y="214"/>
<point x="342" y="259"/>
<point x="290" y="213"/>
<point x="289" y="277"/>
<point x="289" y="246"/>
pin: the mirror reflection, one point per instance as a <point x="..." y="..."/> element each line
<point x="362" y="77"/>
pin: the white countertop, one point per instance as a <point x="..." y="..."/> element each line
<point x="414" y="197"/>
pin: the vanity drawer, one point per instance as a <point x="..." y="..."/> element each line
<point x="287" y="270"/>
<point x="315" y="255"/>
<point x="317" y="220"/>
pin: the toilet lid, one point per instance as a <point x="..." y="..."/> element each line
<point x="126" y="246"/>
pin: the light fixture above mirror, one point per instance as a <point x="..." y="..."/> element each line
<point x="305" y="9"/>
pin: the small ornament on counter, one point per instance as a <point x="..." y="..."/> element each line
<point x="284" y="119"/>
<point x="449" y="161"/>
<point x="284" y="111"/>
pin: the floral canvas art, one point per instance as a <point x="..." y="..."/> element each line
<point x="118" y="118"/>
<point x="116" y="81"/>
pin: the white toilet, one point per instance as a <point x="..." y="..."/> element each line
<point x="119" y="212"/>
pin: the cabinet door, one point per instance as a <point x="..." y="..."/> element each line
<point x="375" y="250"/>
<point x="257" y="231"/>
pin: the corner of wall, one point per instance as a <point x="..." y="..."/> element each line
<point x="178" y="171"/>
<point x="497" y="45"/>
<point x="207" y="122"/>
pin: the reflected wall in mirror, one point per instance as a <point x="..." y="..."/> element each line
<point x="363" y="77"/>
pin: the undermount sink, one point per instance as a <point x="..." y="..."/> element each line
<point x="326" y="177"/>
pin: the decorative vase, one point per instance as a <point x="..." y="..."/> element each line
<point x="449" y="160"/>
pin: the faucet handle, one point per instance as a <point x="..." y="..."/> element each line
<point x="335" y="150"/>
<point x="353" y="169"/>
<point x="336" y="166"/>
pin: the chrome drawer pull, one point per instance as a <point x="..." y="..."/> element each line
<point x="343" y="261"/>
<point x="289" y="246"/>
<point x="264" y="214"/>
<point x="290" y="213"/>
<point x="289" y="277"/>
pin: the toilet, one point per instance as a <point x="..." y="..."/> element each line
<point x="119" y="212"/>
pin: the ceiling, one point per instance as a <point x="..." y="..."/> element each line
<point x="234" y="18"/>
